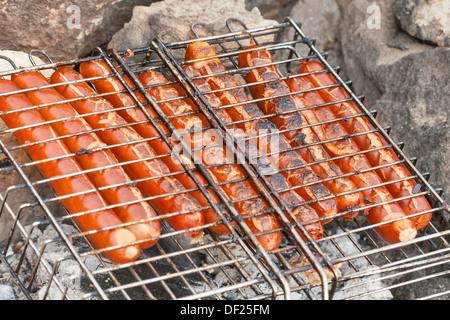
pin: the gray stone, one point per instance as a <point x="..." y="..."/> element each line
<point x="272" y="9"/>
<point x="406" y="80"/>
<point x="64" y="29"/>
<point x="319" y="19"/>
<point x="178" y="16"/>
<point x="426" y="20"/>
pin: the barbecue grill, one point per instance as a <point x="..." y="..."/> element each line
<point x="50" y="258"/>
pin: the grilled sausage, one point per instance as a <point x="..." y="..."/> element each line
<point x="304" y="214"/>
<point x="112" y="136"/>
<point x="87" y="198"/>
<point x="87" y="141"/>
<point x="326" y="168"/>
<point x="358" y="164"/>
<point x="405" y="188"/>
<point x="223" y="169"/>
<point x="292" y="165"/>
<point x="127" y="109"/>
<point x="83" y="144"/>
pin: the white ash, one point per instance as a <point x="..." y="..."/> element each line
<point x="7" y="293"/>
<point x="68" y="273"/>
<point x="366" y="288"/>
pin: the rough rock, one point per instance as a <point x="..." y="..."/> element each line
<point x="406" y="80"/>
<point x="426" y="20"/>
<point x="64" y="29"/>
<point x="319" y="19"/>
<point x="178" y="16"/>
<point x="272" y="9"/>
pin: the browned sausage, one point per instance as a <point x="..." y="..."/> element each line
<point x="296" y="136"/>
<point x="303" y="213"/>
<point x="413" y="205"/>
<point x="291" y="164"/>
<point x="362" y="175"/>
<point x="123" y="192"/>
<point x="217" y="156"/>
<point x="127" y="109"/>
<point x="88" y="198"/>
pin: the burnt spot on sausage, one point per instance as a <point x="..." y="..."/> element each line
<point x="367" y="200"/>
<point x="267" y="125"/>
<point x="265" y="167"/>
<point x="282" y="144"/>
<point x="335" y="129"/>
<point x="253" y="206"/>
<point x="268" y="74"/>
<point x="300" y="138"/>
<point x="335" y="169"/>
<point x="241" y="190"/>
<point x="83" y="151"/>
<point x="291" y="159"/>
<point x="253" y="110"/>
<point x="239" y="94"/>
<point x="320" y="191"/>
<point x="216" y="67"/>
<point x="285" y="104"/>
<point x="291" y="199"/>
<point x="273" y="85"/>
<point x="309" y="175"/>
<point x="292" y="121"/>
<point x="277" y="181"/>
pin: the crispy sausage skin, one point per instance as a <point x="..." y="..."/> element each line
<point x="304" y="214"/>
<point x="270" y="85"/>
<point x="127" y="109"/>
<point x="141" y="170"/>
<point x="216" y="157"/>
<point x="137" y="211"/>
<point x="76" y="183"/>
<point x="290" y="163"/>
<point x="412" y="205"/>
<point x="88" y="159"/>
<point x="356" y="164"/>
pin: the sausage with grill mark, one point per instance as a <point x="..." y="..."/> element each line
<point x="291" y="164"/>
<point x="292" y="121"/>
<point x="358" y="164"/>
<point x="405" y="188"/>
<point x="87" y="198"/>
<point x="223" y="169"/>
<point x="304" y="214"/>
<point x="127" y="109"/>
